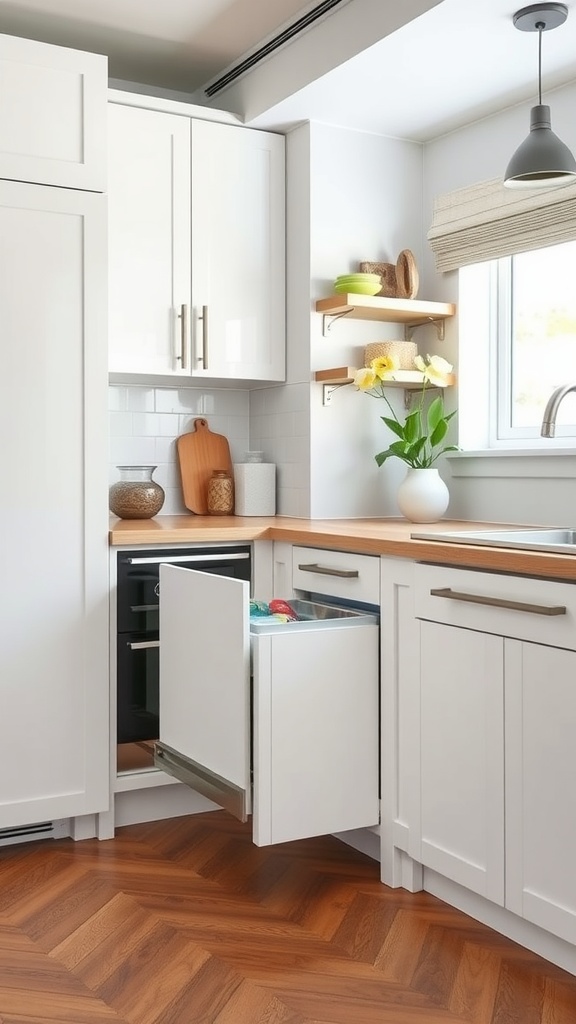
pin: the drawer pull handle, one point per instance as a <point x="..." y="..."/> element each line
<point x="325" y="570"/>
<point x="497" y="602"/>
<point x="144" y="645"/>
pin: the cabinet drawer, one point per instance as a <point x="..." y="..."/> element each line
<point x="341" y="574"/>
<point x="524" y="608"/>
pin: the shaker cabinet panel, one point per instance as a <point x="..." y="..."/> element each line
<point x="462" y="737"/>
<point x="52" y="115"/>
<point x="54" y="629"/>
<point x="540" y="772"/>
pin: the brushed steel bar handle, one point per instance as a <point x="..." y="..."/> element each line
<point x="177" y="559"/>
<point x="203" y="358"/>
<point x="144" y="645"/>
<point x="498" y="602"/>
<point x="325" y="570"/>
<point x="184" y="332"/>
<point x="183" y="318"/>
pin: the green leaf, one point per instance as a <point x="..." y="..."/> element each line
<point x="394" y="426"/>
<point x="413" y="426"/>
<point x="399" y="448"/>
<point x="382" y="456"/>
<point x="435" y="414"/>
<point x="439" y="433"/>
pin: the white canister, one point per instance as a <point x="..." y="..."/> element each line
<point x="254" y="486"/>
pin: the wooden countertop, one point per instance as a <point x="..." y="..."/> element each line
<point x="369" y="536"/>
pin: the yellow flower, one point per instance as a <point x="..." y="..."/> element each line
<point x="437" y="370"/>
<point x="384" y="367"/>
<point x="365" y="378"/>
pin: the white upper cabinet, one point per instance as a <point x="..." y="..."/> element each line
<point x="52" y="115"/>
<point x="197" y="264"/>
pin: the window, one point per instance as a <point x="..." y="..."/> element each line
<point x="517" y="344"/>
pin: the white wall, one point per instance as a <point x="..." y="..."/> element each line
<point x="505" y="488"/>
<point x="365" y="204"/>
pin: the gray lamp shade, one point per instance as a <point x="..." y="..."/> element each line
<point x="542" y="160"/>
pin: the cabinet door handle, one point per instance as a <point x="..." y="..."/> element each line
<point x="498" y="602"/>
<point x="203" y="358"/>
<point x="178" y="559"/>
<point x="144" y="645"/>
<point x="183" y="318"/>
<point x="325" y="570"/>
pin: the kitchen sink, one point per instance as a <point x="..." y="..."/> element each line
<point x="561" y="540"/>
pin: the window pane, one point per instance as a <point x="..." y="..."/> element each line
<point x="543" y="332"/>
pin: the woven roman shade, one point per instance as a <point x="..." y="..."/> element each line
<point x="485" y="221"/>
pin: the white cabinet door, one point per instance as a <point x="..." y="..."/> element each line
<point x="540" y="774"/>
<point x="205" y="684"/>
<point x="52" y="115"/>
<point x="149" y="241"/>
<point x="238" y="252"/>
<point x="313" y="724"/>
<point x="196" y="248"/>
<point x="53" y="421"/>
<point x="462" y="757"/>
<point x="315" y="732"/>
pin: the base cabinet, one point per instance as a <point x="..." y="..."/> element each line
<point x="497" y="720"/>
<point x="285" y="722"/>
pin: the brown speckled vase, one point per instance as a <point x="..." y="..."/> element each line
<point x="136" y="495"/>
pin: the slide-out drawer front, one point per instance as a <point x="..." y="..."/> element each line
<point x="521" y="607"/>
<point x="341" y="574"/>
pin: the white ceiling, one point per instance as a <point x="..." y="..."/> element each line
<point x="457" y="62"/>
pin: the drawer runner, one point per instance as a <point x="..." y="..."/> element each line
<point x="224" y="793"/>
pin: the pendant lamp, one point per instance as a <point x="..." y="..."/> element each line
<point x="542" y="160"/>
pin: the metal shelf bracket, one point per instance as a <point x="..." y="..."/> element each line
<point x="440" y="326"/>
<point x="329" y="318"/>
<point x="329" y="389"/>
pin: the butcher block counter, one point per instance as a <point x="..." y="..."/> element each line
<point x="370" y="536"/>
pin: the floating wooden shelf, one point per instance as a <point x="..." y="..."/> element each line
<point x="409" y="380"/>
<point x="410" y="312"/>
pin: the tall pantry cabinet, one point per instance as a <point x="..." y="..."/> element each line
<point x="53" y="424"/>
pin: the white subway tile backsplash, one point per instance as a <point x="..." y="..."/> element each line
<point x="179" y="400"/>
<point x="145" y="422"/>
<point x="120" y="424"/>
<point x="117" y="399"/>
<point x="132" y="451"/>
<point x="140" y="399"/>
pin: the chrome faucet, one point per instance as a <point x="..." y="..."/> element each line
<point x="548" y="427"/>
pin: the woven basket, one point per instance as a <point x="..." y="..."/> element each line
<point x="403" y="352"/>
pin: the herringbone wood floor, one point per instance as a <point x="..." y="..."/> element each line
<point x="186" y="922"/>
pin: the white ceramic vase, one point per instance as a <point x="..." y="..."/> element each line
<point x="423" y="496"/>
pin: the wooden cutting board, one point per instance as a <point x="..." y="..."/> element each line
<point x="200" y="452"/>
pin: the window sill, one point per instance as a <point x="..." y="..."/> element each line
<point x="540" y="463"/>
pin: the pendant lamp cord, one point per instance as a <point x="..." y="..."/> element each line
<point x="540" y="26"/>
